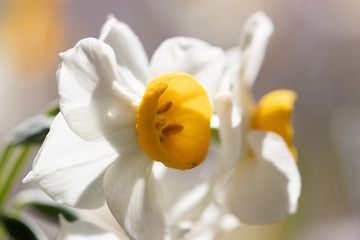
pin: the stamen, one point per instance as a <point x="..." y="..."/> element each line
<point x="159" y="123"/>
<point x="164" y="107"/>
<point x="172" y="129"/>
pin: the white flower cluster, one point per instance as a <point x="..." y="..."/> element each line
<point x="91" y="156"/>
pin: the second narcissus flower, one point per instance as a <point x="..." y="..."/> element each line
<point x="119" y="113"/>
<point x="262" y="184"/>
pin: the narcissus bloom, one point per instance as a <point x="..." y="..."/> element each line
<point x="263" y="182"/>
<point x="119" y="113"/>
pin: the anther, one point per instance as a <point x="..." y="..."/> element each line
<point x="164" y="107"/>
<point x="172" y="129"/>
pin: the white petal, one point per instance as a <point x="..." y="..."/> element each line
<point x="128" y="49"/>
<point x="96" y="98"/>
<point x="253" y="42"/>
<point x="265" y="188"/>
<point x="192" y="56"/>
<point x="69" y="169"/>
<point x="102" y="217"/>
<point x="233" y="81"/>
<point x="214" y="223"/>
<point x="186" y="193"/>
<point x="79" y="230"/>
<point x="230" y="130"/>
<point x="134" y="197"/>
<point x="231" y="72"/>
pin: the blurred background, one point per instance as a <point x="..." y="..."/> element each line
<point x="315" y="50"/>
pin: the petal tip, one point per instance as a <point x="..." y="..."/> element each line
<point x="262" y="19"/>
<point x="29" y="177"/>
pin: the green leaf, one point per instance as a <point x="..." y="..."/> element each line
<point x="51" y="211"/>
<point x="53" y="110"/>
<point x="32" y="131"/>
<point x="16" y="228"/>
<point x="10" y="167"/>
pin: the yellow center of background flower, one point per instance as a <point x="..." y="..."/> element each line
<point x="173" y="121"/>
<point x="273" y="113"/>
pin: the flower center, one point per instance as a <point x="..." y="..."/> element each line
<point x="273" y="113"/>
<point x="173" y="121"/>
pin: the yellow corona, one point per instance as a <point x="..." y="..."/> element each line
<point x="173" y="121"/>
<point x="273" y="113"/>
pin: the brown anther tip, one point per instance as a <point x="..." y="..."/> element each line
<point x="164" y="107"/>
<point x="172" y="129"/>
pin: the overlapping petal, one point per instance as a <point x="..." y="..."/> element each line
<point x="187" y="200"/>
<point x="266" y="186"/>
<point x="60" y="160"/>
<point x="214" y="223"/>
<point x="253" y="41"/>
<point x="192" y="56"/>
<point x="80" y="230"/>
<point x="134" y="197"/>
<point x="230" y="130"/>
<point x="128" y="49"/>
<point x="96" y="97"/>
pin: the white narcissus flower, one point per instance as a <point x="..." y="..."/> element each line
<point x="263" y="184"/>
<point x="118" y="114"/>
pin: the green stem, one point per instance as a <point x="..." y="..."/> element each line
<point x="13" y="173"/>
<point x="2" y="231"/>
<point x="5" y="157"/>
